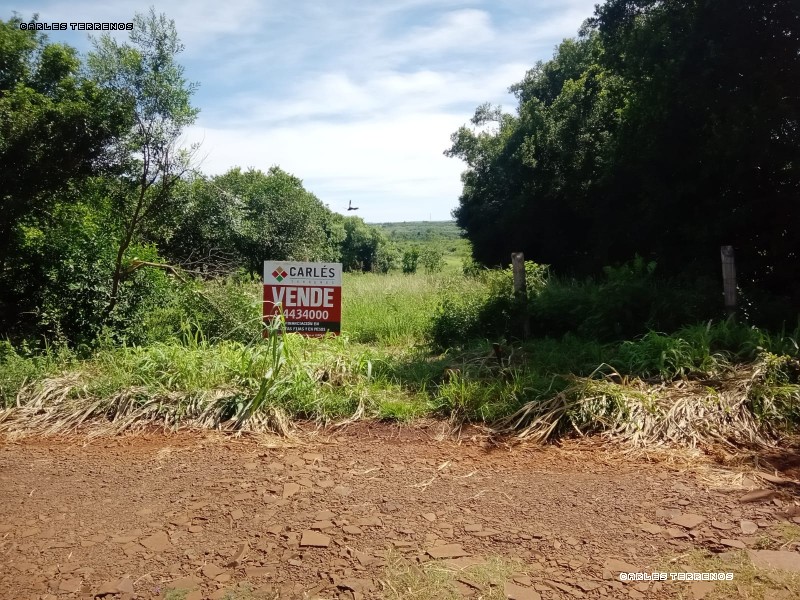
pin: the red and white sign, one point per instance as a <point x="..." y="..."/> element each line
<point x="310" y="295"/>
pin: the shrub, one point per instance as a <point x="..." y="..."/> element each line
<point x="432" y="260"/>
<point x="459" y="318"/>
<point x="224" y="309"/>
<point x="470" y="267"/>
<point x="486" y="311"/>
<point x="410" y="260"/>
<point x="627" y="302"/>
<point x="387" y="258"/>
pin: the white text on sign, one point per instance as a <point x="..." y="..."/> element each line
<point x="303" y="296"/>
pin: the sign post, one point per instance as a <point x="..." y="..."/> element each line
<point x="521" y="293"/>
<point x="729" y="279"/>
<point x="309" y="294"/>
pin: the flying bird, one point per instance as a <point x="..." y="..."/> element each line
<point x="350" y="206"/>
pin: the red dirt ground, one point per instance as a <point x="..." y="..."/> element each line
<point x="212" y="511"/>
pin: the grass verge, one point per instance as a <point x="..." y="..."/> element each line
<point x="517" y="391"/>
<point x="716" y="382"/>
<point x="394" y="309"/>
<point x="749" y="582"/>
<point x="444" y="580"/>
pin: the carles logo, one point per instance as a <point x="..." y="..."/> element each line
<point x="279" y="274"/>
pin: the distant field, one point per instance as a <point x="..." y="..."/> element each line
<point x="444" y="236"/>
<point x="421" y="230"/>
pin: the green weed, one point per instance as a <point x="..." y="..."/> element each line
<point x="21" y="368"/>
<point x="394" y="309"/>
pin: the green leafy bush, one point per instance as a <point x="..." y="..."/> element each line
<point x="487" y="310"/>
<point x="470" y="267"/>
<point x="629" y="301"/>
<point x="432" y="260"/>
<point x="410" y="260"/>
<point x="223" y="309"/>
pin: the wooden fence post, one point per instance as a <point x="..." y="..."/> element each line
<point x="729" y="279"/>
<point x="521" y="293"/>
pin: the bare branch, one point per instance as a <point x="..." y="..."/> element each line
<point x="135" y="265"/>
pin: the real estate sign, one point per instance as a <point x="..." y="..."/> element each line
<point x="310" y="295"/>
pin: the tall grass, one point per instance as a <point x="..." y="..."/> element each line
<point x="394" y="309"/>
<point x="226" y="385"/>
<point x="19" y="367"/>
<point x="390" y="310"/>
<point x="699" y="350"/>
<point x="213" y="369"/>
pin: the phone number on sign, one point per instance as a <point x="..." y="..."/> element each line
<point x="305" y="314"/>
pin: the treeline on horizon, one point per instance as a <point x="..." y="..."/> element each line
<point x="664" y="130"/>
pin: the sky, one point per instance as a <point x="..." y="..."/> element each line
<point x="357" y="99"/>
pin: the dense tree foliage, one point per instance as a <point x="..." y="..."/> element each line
<point x="145" y="76"/>
<point x="57" y="127"/>
<point x="100" y="208"/>
<point x="248" y="217"/>
<point x="366" y="248"/>
<point x="665" y="129"/>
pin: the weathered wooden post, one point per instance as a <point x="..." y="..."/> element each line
<point x="521" y="293"/>
<point x="729" y="279"/>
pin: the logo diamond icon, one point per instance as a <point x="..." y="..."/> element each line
<point x="279" y="274"/>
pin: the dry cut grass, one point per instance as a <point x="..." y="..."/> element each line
<point x="683" y="413"/>
<point x="443" y="580"/>
<point x="749" y="582"/>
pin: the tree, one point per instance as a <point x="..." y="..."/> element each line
<point x="280" y="219"/>
<point x="283" y="221"/>
<point x="362" y="245"/>
<point x="432" y="260"/>
<point x="491" y="182"/>
<point x="145" y="76"/>
<point x="204" y="233"/>
<point x="388" y="257"/>
<point x="665" y="129"/>
<point x="546" y="79"/>
<point x="709" y="152"/>
<point x="57" y="128"/>
<point x="242" y="218"/>
<point x="410" y="260"/>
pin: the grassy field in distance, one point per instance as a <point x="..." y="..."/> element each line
<point x="444" y="236"/>
<point x="421" y="230"/>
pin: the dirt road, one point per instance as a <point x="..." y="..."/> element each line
<point x="355" y="514"/>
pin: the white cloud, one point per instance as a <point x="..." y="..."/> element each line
<point x="379" y="142"/>
<point x="357" y="99"/>
<point x="386" y="95"/>
<point x="456" y="31"/>
<point x="384" y="164"/>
